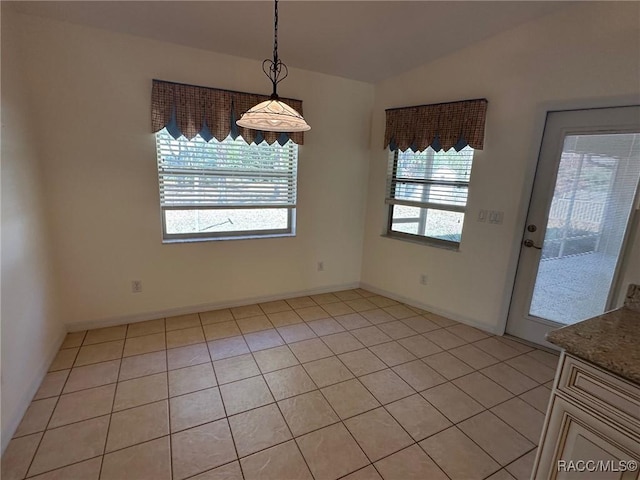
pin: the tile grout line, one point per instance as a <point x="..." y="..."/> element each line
<point x="113" y="402"/>
<point x="251" y="352"/>
<point x="414" y="441"/>
<point x="521" y="373"/>
<point x="312" y="381"/>
<point x="485" y="451"/>
<point x="500" y="466"/>
<point x="169" y="434"/>
<point x="293" y="438"/>
<point x="341" y="420"/>
<point x="68" y="465"/>
<point x="214" y="468"/>
<point x="224" y="407"/>
<point x="35" y="452"/>
<point x="520" y="457"/>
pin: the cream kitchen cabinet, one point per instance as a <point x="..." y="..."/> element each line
<point x="592" y="427"/>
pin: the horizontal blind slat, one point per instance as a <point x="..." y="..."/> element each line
<point x="223" y="207"/>
<point x="436" y="206"/>
<point x="225" y="174"/>
<point x="430" y="179"/>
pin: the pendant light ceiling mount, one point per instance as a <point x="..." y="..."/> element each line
<point x="274" y="115"/>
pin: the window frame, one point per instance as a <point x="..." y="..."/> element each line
<point x="424" y="206"/>
<point x="289" y="231"/>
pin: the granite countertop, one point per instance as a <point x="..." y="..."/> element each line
<point x="610" y="341"/>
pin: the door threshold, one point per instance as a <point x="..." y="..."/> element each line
<point x="530" y="344"/>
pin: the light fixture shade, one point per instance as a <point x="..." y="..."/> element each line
<point x="273" y="116"/>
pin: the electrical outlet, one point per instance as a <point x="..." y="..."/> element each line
<point x="136" y="286"/>
<point x="423" y="279"/>
<point x="321" y="266"/>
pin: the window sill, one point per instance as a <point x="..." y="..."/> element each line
<point x="222" y="239"/>
<point x="429" y="242"/>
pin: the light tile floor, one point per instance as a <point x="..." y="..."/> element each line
<point x="345" y="385"/>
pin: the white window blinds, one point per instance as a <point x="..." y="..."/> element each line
<point x="227" y="174"/>
<point x="430" y="179"/>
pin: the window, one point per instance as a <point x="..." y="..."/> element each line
<point x="227" y="189"/>
<point x="427" y="194"/>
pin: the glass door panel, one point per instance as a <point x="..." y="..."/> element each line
<point x="594" y="195"/>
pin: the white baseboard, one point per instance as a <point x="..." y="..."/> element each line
<point x="141" y="317"/>
<point x="453" y="316"/>
<point x="9" y="428"/>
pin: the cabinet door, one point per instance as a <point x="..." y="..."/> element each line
<point x="580" y="445"/>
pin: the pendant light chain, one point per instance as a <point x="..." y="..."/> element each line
<point x="275" y="34"/>
<point x="275" y="69"/>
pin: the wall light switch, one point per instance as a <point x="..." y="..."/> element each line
<point x="482" y="216"/>
<point x="495" y="217"/>
<point x="136" y="286"/>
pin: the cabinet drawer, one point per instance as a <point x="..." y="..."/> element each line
<point x="603" y="391"/>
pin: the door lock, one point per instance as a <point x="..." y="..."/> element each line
<point x="530" y="244"/>
<point x="532" y="228"/>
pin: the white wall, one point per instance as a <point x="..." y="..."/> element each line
<point x="582" y="56"/>
<point x="631" y="268"/>
<point x="92" y="90"/>
<point x="31" y="331"/>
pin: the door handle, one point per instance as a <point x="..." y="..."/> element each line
<point x="530" y="244"/>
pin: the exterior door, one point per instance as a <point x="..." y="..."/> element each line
<point x="584" y="196"/>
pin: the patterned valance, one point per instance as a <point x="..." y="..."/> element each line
<point x="211" y="112"/>
<point x="440" y="126"/>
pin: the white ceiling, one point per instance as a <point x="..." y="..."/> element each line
<point x="361" y="40"/>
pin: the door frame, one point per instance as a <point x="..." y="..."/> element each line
<point x="541" y="112"/>
<point x="558" y="125"/>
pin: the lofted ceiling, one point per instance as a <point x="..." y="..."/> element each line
<point x="361" y="40"/>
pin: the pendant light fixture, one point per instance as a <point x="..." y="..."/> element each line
<point x="274" y="115"/>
